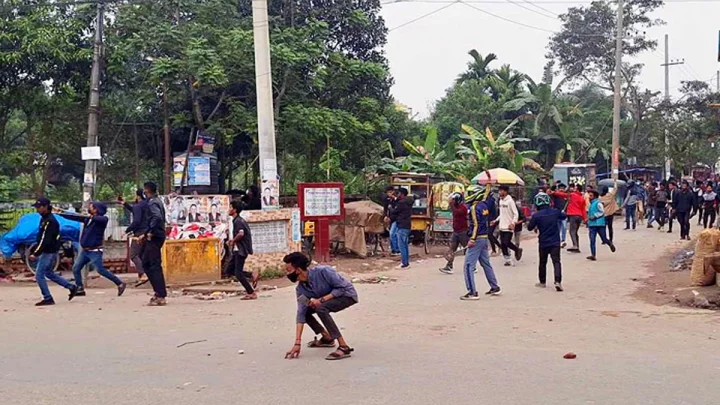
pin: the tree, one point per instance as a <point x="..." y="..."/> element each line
<point x="478" y="68"/>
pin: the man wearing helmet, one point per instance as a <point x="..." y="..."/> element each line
<point x="547" y="221"/>
<point x="460" y="230"/>
<point x="476" y="198"/>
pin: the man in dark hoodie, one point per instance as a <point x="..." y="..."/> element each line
<point x="683" y="204"/>
<point x="46" y="252"/>
<point x="91" y="242"/>
<point x="547" y="221"/>
<point x="137" y="229"/>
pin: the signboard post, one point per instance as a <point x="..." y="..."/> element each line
<point x="321" y="203"/>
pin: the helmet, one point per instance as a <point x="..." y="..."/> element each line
<point x="457" y="197"/>
<point x="476" y="192"/>
<point x="542" y="199"/>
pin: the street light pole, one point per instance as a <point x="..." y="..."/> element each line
<point x="263" y="83"/>
<point x="93" y="111"/>
<point x="617" y="89"/>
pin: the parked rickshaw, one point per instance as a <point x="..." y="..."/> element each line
<point x="419" y="186"/>
<point x="442" y="226"/>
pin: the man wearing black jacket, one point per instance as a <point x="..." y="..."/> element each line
<point x="547" y="221"/>
<point x="136" y="230"/>
<point x="153" y="241"/>
<point x="45" y="253"/>
<point x="683" y="204"/>
<point x="401" y="214"/>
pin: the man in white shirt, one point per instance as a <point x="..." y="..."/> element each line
<point x="506" y="222"/>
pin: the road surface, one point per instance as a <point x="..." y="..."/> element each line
<point x="415" y="341"/>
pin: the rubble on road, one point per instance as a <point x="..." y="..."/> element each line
<point x="217" y="293"/>
<point x="373" y="280"/>
<point x="682" y="261"/>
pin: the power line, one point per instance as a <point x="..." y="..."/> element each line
<point x="424" y="15"/>
<point x="506" y="19"/>
<point x="530" y="9"/>
<point x="541" y="8"/>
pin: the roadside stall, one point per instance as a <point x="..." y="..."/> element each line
<point x="362" y="225"/>
<point x="442" y="225"/>
<point x="419" y="186"/>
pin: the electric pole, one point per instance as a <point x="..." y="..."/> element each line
<point x="717" y="81"/>
<point x="667" y="65"/>
<point x="263" y="84"/>
<point x="93" y="110"/>
<point x="616" y="98"/>
<point x="166" y="137"/>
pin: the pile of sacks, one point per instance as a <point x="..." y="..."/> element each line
<point x="707" y="258"/>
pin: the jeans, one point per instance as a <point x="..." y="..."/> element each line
<point x="684" y="221"/>
<point x="96" y="259"/>
<point x="554" y="253"/>
<point x="456" y="240"/>
<point x="609" y="226"/>
<point x="152" y="263"/>
<point x="475" y="254"/>
<point x="651" y="215"/>
<point x="403" y="238"/>
<point x="323" y="312"/>
<point x="394" y="248"/>
<point x="708" y="217"/>
<point x="594" y="232"/>
<point x="45" y="265"/>
<point x="630" y="216"/>
<point x="563" y="230"/>
<point x="660" y="214"/>
<point x="575" y="222"/>
<point x="506" y="244"/>
<point x="240" y="273"/>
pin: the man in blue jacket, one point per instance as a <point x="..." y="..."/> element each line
<point x="547" y="221"/>
<point x="477" y="251"/>
<point x="91" y="242"/>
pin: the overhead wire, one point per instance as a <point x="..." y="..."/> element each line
<point x="423" y="16"/>
<point x="554" y="17"/>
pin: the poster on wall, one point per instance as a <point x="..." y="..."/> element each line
<point x="205" y="141"/>
<point x="198" y="173"/>
<point x="270" y="194"/>
<point x="197" y="216"/>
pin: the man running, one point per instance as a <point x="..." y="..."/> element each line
<point x="91" y="242"/>
<point x="320" y="291"/>
<point x="46" y="253"/>
<point x="596" y="225"/>
<point x="576" y="212"/>
<point x="478" y="243"/>
<point x="153" y="241"/>
<point x="506" y="225"/>
<point x="241" y="245"/>
<point x="610" y="206"/>
<point x="460" y="230"/>
<point x="547" y="221"/>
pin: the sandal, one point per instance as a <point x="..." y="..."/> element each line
<point x="255" y="281"/>
<point x="321" y="343"/>
<point x="249" y="297"/>
<point x="344" y="353"/>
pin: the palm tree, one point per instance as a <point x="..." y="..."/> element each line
<point x="478" y="68"/>
<point x="506" y="83"/>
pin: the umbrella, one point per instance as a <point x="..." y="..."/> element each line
<point x="498" y="176"/>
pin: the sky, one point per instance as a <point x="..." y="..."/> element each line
<point x="427" y="54"/>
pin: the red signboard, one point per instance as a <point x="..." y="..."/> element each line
<point x="320" y="203"/>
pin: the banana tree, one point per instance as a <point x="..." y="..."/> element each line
<point x="487" y="151"/>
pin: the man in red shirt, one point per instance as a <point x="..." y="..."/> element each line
<point x="460" y="230"/>
<point x="576" y="212"/>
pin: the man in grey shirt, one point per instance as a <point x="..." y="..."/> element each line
<point x="320" y="290"/>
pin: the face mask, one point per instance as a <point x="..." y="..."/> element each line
<point x="293" y="277"/>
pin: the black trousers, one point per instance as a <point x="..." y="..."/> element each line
<point x="240" y="273"/>
<point x="609" y="225"/>
<point x="700" y="211"/>
<point x="323" y="312"/>
<point x="506" y="243"/>
<point x="554" y="253"/>
<point x="671" y="218"/>
<point x="708" y="218"/>
<point x="494" y="243"/>
<point x="152" y="264"/>
<point x="684" y="221"/>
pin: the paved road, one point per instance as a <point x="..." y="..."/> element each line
<point x="416" y="343"/>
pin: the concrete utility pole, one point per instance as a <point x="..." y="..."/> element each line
<point x="166" y="137"/>
<point x="93" y="110"/>
<point x="717" y="82"/>
<point x="667" y="65"/>
<point x="616" y="98"/>
<point x="263" y="84"/>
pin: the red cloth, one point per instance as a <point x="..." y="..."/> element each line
<point x="576" y="203"/>
<point x="460" y="217"/>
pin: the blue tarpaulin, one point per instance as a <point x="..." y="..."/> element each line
<point x="26" y="231"/>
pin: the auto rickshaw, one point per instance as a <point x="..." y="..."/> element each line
<point x="419" y="186"/>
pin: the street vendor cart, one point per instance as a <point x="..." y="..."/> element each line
<point x="442" y="225"/>
<point x="419" y="186"/>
